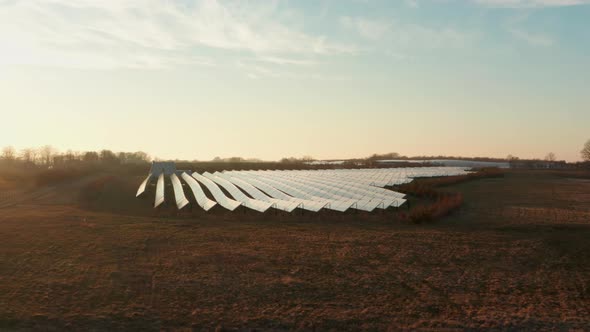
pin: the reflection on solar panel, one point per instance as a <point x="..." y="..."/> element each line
<point x="311" y="190"/>
<point x="285" y="205"/>
<point x="217" y="193"/>
<point x="181" y="200"/>
<point x="142" y="186"/>
<point x="200" y="196"/>
<point x="159" y="191"/>
<point x="238" y="195"/>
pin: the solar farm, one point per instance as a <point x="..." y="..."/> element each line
<point x="273" y="247"/>
<point x="311" y="190"/>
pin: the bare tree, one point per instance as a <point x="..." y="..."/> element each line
<point x="123" y="156"/>
<point x="550" y="157"/>
<point x="585" y="153"/>
<point x="108" y="157"/>
<point x="8" y="153"/>
<point x="140" y="155"/>
<point x="90" y="157"/>
<point x="46" y="154"/>
<point x="289" y="160"/>
<point x="390" y="155"/>
<point x="29" y="155"/>
<point x="133" y="157"/>
<point x="69" y="156"/>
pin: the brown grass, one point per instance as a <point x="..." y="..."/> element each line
<point x="575" y="174"/>
<point x="56" y="176"/>
<point x="443" y="206"/>
<point x="13" y="178"/>
<point x="92" y="191"/>
<point x="426" y="187"/>
<point x="435" y="203"/>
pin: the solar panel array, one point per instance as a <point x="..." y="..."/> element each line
<point x="311" y="190"/>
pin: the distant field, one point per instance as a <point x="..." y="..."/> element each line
<point x="516" y="256"/>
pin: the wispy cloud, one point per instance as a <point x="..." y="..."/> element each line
<point x="531" y="3"/>
<point x="518" y="29"/>
<point x="531" y="38"/>
<point x="255" y="70"/>
<point x="287" y="61"/>
<point x="151" y="34"/>
<point x="368" y="28"/>
<point x="407" y="35"/>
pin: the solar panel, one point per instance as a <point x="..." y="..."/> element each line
<point x="313" y="206"/>
<point x="315" y="194"/>
<point x="366" y="191"/>
<point x="279" y="204"/>
<point x="219" y="196"/>
<point x="142" y="186"/>
<point x="181" y="200"/>
<point x="159" y="191"/>
<point x="312" y="190"/>
<point x="202" y="199"/>
<point x="309" y="202"/>
<point x="238" y="195"/>
<point x="337" y="202"/>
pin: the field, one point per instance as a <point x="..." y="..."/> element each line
<point x="515" y="256"/>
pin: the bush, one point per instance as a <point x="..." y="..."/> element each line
<point x="425" y="187"/>
<point x="441" y="203"/>
<point x="419" y="189"/>
<point x="445" y="205"/>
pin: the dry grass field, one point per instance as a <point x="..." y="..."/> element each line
<point x="516" y="256"/>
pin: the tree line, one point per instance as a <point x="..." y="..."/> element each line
<point x="48" y="156"/>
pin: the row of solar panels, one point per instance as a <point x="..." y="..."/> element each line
<point x="382" y="177"/>
<point x="338" y="190"/>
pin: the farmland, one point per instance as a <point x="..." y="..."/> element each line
<point x="514" y="256"/>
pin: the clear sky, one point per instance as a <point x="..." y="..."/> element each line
<point x="269" y="79"/>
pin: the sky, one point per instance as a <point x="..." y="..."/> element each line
<point x="183" y="79"/>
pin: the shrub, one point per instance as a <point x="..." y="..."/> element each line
<point x="419" y="189"/>
<point x="425" y="187"/>
<point x="445" y="205"/>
